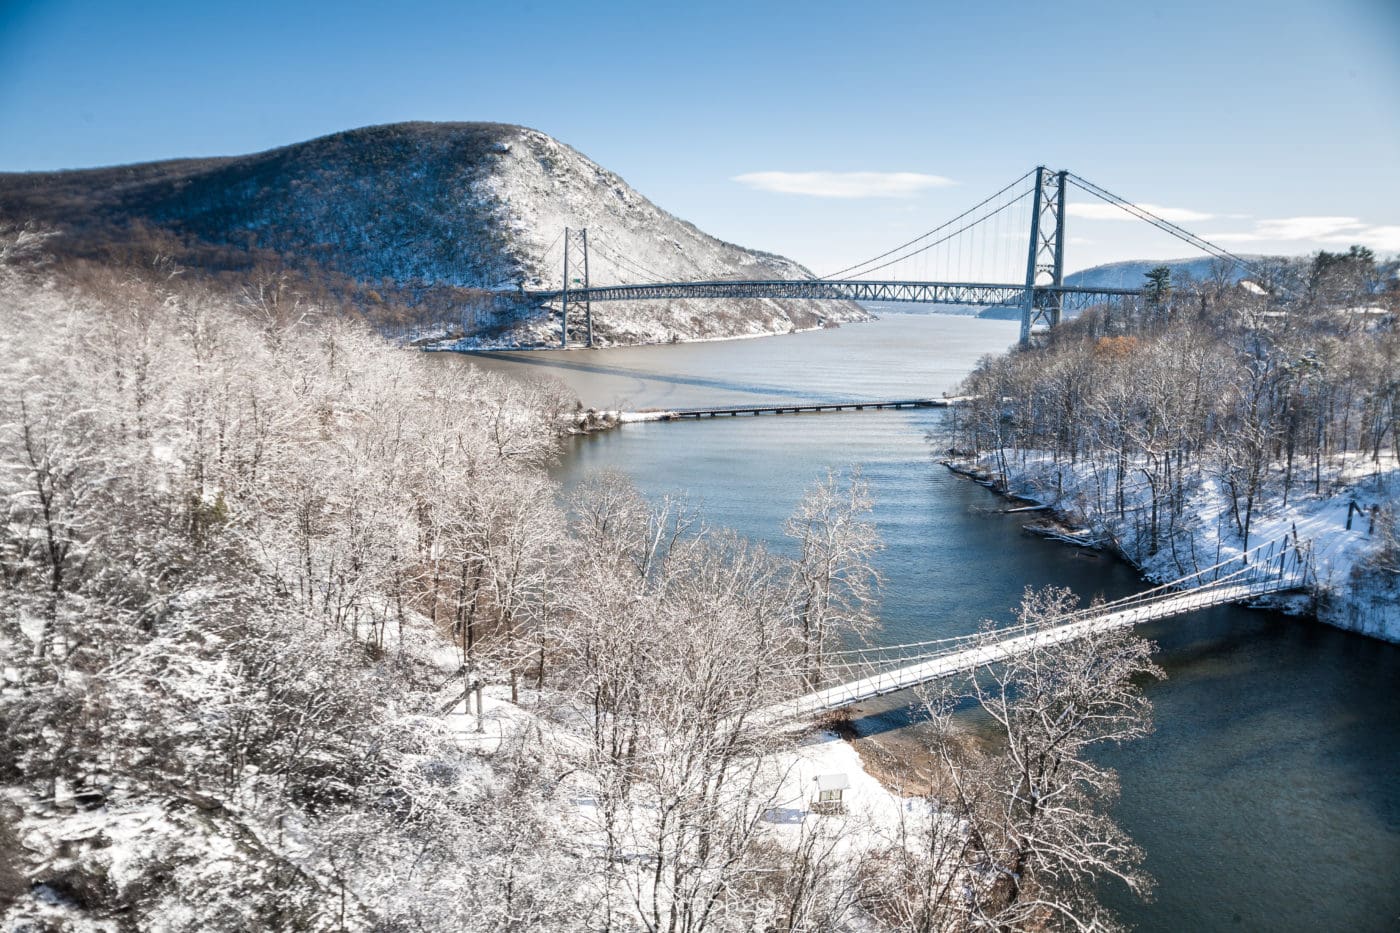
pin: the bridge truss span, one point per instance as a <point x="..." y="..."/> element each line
<point x="982" y="294"/>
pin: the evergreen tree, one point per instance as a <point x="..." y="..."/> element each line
<point x="1159" y="286"/>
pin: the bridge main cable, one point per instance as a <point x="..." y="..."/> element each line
<point x="1161" y="223"/>
<point x="924" y="236"/>
<point x="943" y="239"/>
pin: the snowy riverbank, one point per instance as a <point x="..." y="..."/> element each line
<point x="446" y="344"/>
<point x="1357" y="585"/>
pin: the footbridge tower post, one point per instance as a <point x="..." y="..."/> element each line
<point x="1045" y="262"/>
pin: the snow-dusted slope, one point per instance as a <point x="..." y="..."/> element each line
<point x="537" y="186"/>
<point x="432" y="206"/>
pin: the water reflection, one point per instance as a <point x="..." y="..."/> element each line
<point x="560" y="365"/>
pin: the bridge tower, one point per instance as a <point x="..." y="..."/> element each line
<point x="576" y="277"/>
<point x="1045" y="264"/>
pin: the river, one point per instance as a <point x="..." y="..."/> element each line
<point x="1268" y="797"/>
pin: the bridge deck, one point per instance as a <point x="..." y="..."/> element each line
<point x="783" y="408"/>
<point x="960" y="293"/>
<point x="968" y="659"/>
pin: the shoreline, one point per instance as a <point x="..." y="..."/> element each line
<point x="1058" y="527"/>
<point x="508" y="348"/>
<point x="902" y="771"/>
<point x="1062" y="527"/>
<point x="487" y="350"/>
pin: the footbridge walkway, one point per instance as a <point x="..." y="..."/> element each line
<point x="1277" y="567"/>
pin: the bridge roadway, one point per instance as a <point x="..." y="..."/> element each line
<point x="964" y="660"/>
<point x="956" y="293"/>
<point x="783" y="408"/>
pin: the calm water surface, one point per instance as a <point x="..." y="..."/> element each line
<point x="1269" y="796"/>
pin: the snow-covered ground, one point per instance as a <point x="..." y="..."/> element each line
<point x="868" y="804"/>
<point x="869" y="808"/>
<point x="1351" y="592"/>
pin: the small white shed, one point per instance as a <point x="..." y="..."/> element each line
<point x="830" y="791"/>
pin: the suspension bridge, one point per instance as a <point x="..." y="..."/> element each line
<point x="1008" y="251"/>
<point x="1276" y="567"/>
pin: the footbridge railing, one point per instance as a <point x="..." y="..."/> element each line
<point x="866" y="673"/>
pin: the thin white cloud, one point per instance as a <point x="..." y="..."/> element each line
<point x="845" y="184"/>
<point x="1305" y="228"/>
<point x="1384" y="238"/>
<point x="1103" y="211"/>
<point x="1318" y="229"/>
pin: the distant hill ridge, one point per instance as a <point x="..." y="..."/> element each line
<point x="473" y="205"/>
<point x="1132" y="273"/>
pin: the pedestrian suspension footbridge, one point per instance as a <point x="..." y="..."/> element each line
<point x="1277" y="567"/>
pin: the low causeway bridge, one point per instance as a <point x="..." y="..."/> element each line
<point x="1277" y="567"/>
<point x="794" y="408"/>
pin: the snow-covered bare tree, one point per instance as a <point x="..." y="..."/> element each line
<point x="1035" y="802"/>
<point x="834" y="580"/>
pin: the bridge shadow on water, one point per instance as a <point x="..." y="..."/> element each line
<point x="879" y="722"/>
<point x="891" y="713"/>
<point x="625" y="372"/>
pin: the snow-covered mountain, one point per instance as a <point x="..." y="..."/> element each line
<point x="430" y="205"/>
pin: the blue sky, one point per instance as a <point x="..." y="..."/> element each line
<point x="1274" y="126"/>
